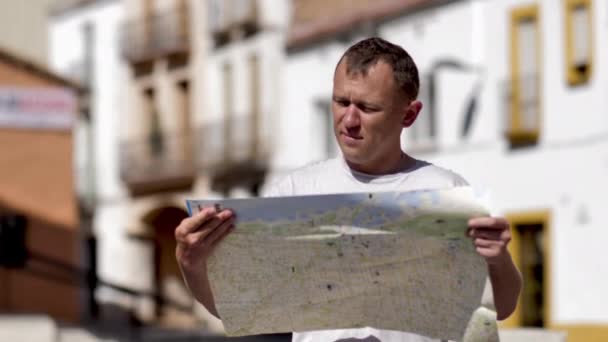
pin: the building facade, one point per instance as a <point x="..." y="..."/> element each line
<point x="41" y="244"/>
<point x="183" y="94"/>
<point x="513" y="100"/>
<point x="24" y="26"/>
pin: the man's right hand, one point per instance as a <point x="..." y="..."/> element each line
<point x="197" y="236"/>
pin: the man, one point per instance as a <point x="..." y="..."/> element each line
<point x="374" y="98"/>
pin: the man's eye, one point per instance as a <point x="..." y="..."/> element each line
<point x="368" y="109"/>
<point x="342" y="103"/>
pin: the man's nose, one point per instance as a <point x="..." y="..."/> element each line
<point x="351" y="117"/>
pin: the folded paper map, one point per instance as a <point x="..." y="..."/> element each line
<point x="392" y="260"/>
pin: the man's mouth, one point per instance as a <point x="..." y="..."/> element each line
<point x="351" y="136"/>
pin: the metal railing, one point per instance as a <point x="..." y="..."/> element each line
<point x="156" y="35"/>
<point x="220" y="145"/>
<point x="224" y="14"/>
<point x="157" y="157"/>
<point x="234" y="140"/>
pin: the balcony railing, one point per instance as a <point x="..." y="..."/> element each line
<point x="157" y="162"/>
<point x="156" y="35"/>
<point x="522" y="109"/>
<point x="231" y="19"/>
<point x="230" y="148"/>
<point x="231" y="143"/>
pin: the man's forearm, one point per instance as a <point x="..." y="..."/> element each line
<point x="198" y="283"/>
<point x="506" y="285"/>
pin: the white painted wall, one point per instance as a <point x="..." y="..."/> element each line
<point x="121" y="260"/>
<point x="565" y="173"/>
<point x="267" y="45"/>
<point x="66" y="50"/>
<point x="308" y="78"/>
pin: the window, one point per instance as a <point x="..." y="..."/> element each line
<point x="155" y="133"/>
<point x="531" y="263"/>
<point x="255" y="115"/>
<point x="530" y="251"/>
<point x="579" y="41"/>
<point x="232" y="19"/>
<point x="523" y="116"/>
<point x="218" y="15"/>
<point x="184" y="150"/>
<point x="13" y="251"/>
<point x="228" y="111"/>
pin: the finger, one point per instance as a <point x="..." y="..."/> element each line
<point x="488" y="222"/>
<point x="486" y="252"/>
<point x="191" y="224"/>
<point x="487" y="243"/>
<point x="225" y="214"/>
<point x="207" y="229"/>
<point x="222" y="230"/>
<point x="232" y="212"/>
<point x="485" y="233"/>
<point x="209" y="219"/>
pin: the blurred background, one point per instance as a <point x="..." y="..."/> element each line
<point x="113" y="112"/>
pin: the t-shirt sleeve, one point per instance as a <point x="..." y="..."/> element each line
<point x="458" y="180"/>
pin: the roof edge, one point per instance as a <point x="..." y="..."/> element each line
<point x="37" y="69"/>
<point x="303" y="35"/>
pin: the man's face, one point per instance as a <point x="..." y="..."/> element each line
<point x="369" y="113"/>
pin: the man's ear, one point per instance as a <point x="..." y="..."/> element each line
<point x="411" y="113"/>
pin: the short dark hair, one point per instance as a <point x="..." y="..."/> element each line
<point x="366" y="53"/>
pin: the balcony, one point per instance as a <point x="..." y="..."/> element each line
<point x="157" y="163"/>
<point x="163" y="34"/>
<point x="233" y="151"/>
<point x="522" y="110"/>
<point x="231" y="20"/>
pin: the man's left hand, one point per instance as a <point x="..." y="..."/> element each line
<point x="490" y="235"/>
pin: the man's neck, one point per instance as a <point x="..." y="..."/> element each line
<point x="389" y="165"/>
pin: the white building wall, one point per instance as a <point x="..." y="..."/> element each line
<point x="67" y="50"/>
<point x="415" y="31"/>
<point x="121" y="260"/>
<point x="564" y="173"/>
<point x="308" y="78"/>
<point x="268" y="46"/>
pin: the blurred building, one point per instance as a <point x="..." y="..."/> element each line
<point x="164" y="53"/>
<point x="513" y="95"/>
<point x="182" y="101"/>
<point x="43" y="264"/>
<point x="88" y="42"/>
<point x="242" y="93"/>
<point x="24" y="28"/>
<point x="199" y="99"/>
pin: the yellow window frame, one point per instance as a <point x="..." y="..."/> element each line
<point x="531" y="217"/>
<point x="575" y="332"/>
<point x="573" y="76"/>
<point x="516" y="133"/>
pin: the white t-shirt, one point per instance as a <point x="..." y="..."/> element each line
<point x="334" y="176"/>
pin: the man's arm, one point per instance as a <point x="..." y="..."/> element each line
<point x="491" y="235"/>
<point x="198" y="284"/>
<point x="196" y="238"/>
